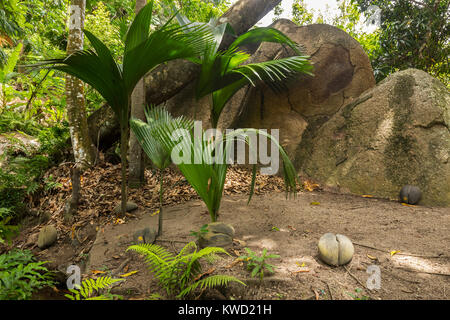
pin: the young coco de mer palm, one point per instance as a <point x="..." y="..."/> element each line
<point x="222" y="75"/>
<point x="144" y="50"/>
<point x="156" y="118"/>
<point x="204" y="161"/>
<point x="224" y="72"/>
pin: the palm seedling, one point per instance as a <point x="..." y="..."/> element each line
<point x="156" y="118"/>
<point x="204" y="162"/>
<point x="144" y="50"/>
<point x="222" y="75"/>
<point x="224" y="72"/>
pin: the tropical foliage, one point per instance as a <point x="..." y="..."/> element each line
<point x="204" y="161"/>
<point x="224" y="72"/>
<point x="413" y="34"/>
<point x="181" y="274"/>
<point x="144" y="50"/>
<point x="21" y="275"/>
<point x="257" y="265"/>
<point x="146" y="133"/>
<point x="90" y="288"/>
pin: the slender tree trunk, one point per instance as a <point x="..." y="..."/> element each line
<point x="136" y="155"/>
<point x="123" y="156"/>
<point x="161" y="192"/>
<point x="82" y="147"/>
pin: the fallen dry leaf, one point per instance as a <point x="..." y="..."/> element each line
<point x="235" y="262"/>
<point x="408" y="205"/>
<point x="301" y="270"/>
<point x="310" y="186"/>
<point x="129" y="274"/>
<point x="200" y="276"/>
<point x="97" y="272"/>
<point x="119" y="221"/>
<point x="394" y="252"/>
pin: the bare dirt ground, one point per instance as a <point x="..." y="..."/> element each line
<point x="291" y="228"/>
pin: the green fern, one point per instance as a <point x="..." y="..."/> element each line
<point x="180" y="275"/>
<point x="89" y="286"/>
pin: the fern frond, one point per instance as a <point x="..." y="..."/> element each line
<point x="88" y="286"/>
<point x="156" y="257"/>
<point x="144" y="248"/>
<point x="176" y="273"/>
<point x="210" y="282"/>
<point x="190" y="246"/>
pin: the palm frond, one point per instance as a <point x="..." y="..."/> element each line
<point x="204" y="163"/>
<point x="264" y="34"/>
<point x="98" y="69"/>
<point x="145" y="133"/>
<point x="162" y="45"/>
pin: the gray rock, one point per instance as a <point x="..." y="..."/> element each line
<point x="212" y="239"/>
<point x="131" y="206"/>
<point x="145" y="235"/>
<point x="335" y="250"/>
<point x="47" y="236"/>
<point x="406" y="141"/>
<point x="220" y="227"/>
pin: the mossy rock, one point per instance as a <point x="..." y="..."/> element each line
<point x="212" y="239"/>
<point x="220" y="227"/>
<point x="406" y="142"/>
<point x="47" y="236"/>
<point x="131" y="206"/>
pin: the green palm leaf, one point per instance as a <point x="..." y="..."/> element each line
<point x="205" y="163"/>
<point x="224" y="73"/>
<point x="144" y="50"/>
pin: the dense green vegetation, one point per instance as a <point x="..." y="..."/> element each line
<point x="21" y="274"/>
<point x="411" y="34"/>
<point x="33" y="100"/>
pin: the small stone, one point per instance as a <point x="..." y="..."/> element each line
<point x="145" y="235"/>
<point x="335" y="250"/>
<point x="47" y="236"/>
<point x="129" y="207"/>
<point x="212" y="239"/>
<point x="220" y="227"/>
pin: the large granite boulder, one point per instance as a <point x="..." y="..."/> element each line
<point x="342" y="71"/>
<point x="395" y="134"/>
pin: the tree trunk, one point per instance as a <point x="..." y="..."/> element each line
<point x="170" y="78"/>
<point x="83" y="150"/>
<point x="123" y="156"/>
<point x="136" y="155"/>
